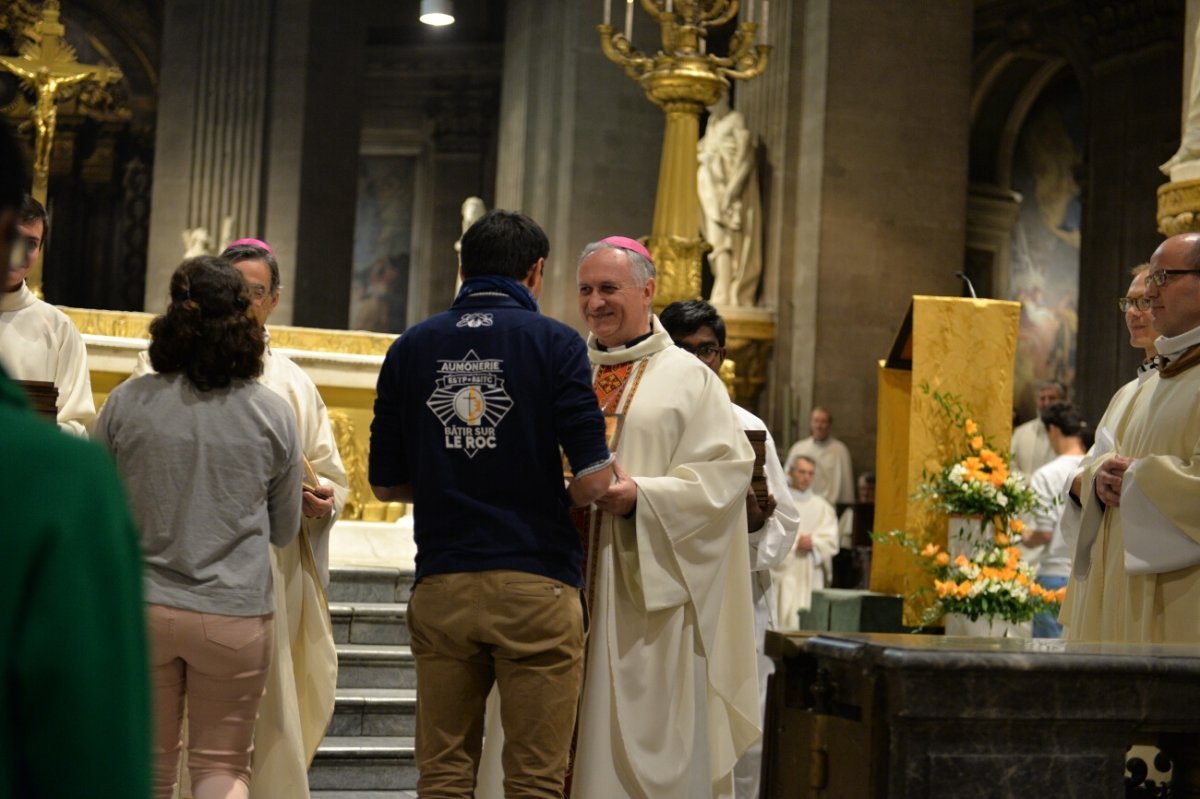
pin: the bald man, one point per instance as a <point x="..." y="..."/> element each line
<point x="1136" y="573"/>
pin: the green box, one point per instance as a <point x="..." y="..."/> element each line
<point x="848" y="611"/>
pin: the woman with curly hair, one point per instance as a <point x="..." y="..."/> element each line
<point x="211" y="461"/>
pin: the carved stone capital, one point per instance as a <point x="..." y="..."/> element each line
<point x="749" y="338"/>
<point x="1179" y="207"/>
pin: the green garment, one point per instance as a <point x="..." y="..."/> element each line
<point x="74" y="681"/>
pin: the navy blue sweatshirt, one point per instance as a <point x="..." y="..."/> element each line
<point x="472" y="406"/>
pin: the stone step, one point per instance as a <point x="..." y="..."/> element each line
<point x="374" y="712"/>
<point x="369" y="622"/>
<point x="364" y="763"/>
<point x="363" y="794"/>
<point x="375" y="666"/>
<point x="353" y="584"/>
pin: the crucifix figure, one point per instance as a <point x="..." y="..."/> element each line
<point x="48" y="65"/>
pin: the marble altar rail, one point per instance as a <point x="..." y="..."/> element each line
<point x="872" y="716"/>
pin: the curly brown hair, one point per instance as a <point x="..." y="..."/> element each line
<point x="206" y="332"/>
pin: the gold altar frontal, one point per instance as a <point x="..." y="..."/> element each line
<point x="343" y="364"/>
<point x="961" y="346"/>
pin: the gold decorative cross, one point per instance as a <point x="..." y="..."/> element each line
<point x="48" y="65"/>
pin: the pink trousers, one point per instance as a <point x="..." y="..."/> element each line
<point x="219" y="665"/>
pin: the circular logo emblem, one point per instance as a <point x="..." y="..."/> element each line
<point x="469" y="404"/>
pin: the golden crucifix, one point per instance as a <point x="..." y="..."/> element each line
<point x="48" y="65"/>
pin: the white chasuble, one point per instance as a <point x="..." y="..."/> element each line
<point x="301" y="686"/>
<point x="793" y="581"/>
<point x="670" y="697"/>
<point x="39" y="342"/>
<point x="1136" y="576"/>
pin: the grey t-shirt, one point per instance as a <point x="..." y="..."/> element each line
<point x="212" y="476"/>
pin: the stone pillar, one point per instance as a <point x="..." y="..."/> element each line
<point x="1132" y="94"/>
<point x="579" y="143"/>
<point x="864" y="117"/>
<point x="992" y="215"/>
<point x="258" y="123"/>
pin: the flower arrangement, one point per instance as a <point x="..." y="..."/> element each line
<point x="978" y="481"/>
<point x="987" y="578"/>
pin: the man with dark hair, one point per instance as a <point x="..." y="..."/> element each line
<point x="1054" y="544"/>
<point x="473" y="406"/>
<point x="38" y="341"/>
<point x="75" y="709"/>
<point x="696" y="327"/>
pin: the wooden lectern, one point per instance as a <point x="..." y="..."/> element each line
<point x="961" y="346"/>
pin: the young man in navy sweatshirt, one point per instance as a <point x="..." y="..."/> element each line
<point x="472" y="408"/>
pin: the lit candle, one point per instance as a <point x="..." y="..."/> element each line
<point x="766" y="9"/>
<point x="607" y="12"/>
<point x="629" y="20"/>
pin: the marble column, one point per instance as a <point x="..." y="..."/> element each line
<point x="1132" y="105"/>
<point x="579" y="143"/>
<point x="258" y="124"/>
<point x="864" y="120"/>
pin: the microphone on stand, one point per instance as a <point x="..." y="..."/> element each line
<point x="967" y="280"/>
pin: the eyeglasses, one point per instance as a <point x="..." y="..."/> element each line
<point x="705" y="352"/>
<point x="1141" y="303"/>
<point x="1159" y="278"/>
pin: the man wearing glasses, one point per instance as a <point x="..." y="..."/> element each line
<point x="1136" y="573"/>
<point x="696" y="327"/>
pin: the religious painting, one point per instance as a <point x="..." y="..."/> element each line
<point x="1044" y="270"/>
<point x="382" y="242"/>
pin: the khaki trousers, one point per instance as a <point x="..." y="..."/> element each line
<point x="521" y="631"/>
<point x="219" y="664"/>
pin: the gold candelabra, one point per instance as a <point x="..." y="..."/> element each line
<point x="683" y="79"/>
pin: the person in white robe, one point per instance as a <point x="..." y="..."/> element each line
<point x="670" y="693"/>
<point x="696" y="327"/>
<point x="809" y="564"/>
<point x="835" y="470"/>
<point x="301" y="687"/>
<point x="1136" y="572"/>
<point x="1138" y="321"/>
<point x="38" y="341"/>
<point x="1031" y="448"/>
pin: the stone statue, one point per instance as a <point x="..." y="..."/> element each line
<point x="1189" y="148"/>
<point x="731" y="210"/>
<point x="196" y="241"/>
<point x="472" y="209"/>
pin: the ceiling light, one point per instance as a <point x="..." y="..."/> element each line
<point x="437" y="12"/>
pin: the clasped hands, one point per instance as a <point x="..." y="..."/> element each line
<point x="1109" y="479"/>
<point x="621" y="497"/>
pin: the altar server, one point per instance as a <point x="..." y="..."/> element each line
<point x="696" y="327"/>
<point x="835" y="470"/>
<point x="809" y="565"/>
<point x="38" y="341"/>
